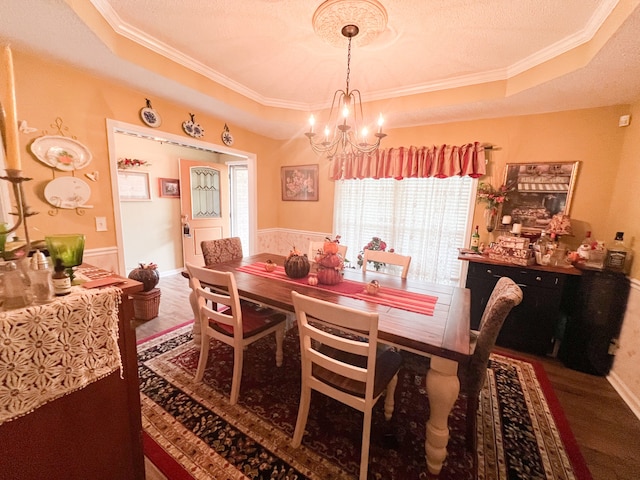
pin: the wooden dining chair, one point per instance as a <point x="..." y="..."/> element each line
<point x="221" y="250"/>
<point x="342" y="365"/>
<point x="315" y="247"/>
<point x="389" y="258"/>
<point x="505" y="295"/>
<point x="235" y="323"/>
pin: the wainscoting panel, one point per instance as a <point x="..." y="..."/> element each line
<point x="105" y="258"/>
<point x="282" y="240"/>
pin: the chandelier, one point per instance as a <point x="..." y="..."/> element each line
<point x="345" y="130"/>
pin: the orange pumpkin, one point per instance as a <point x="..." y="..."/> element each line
<point x="329" y="276"/>
<point x="330" y="248"/>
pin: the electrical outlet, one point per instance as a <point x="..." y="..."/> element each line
<point x="101" y="224"/>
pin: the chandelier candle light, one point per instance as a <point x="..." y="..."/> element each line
<point x="345" y="131"/>
<point x="12" y="146"/>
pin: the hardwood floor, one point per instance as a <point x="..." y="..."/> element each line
<point x="606" y="430"/>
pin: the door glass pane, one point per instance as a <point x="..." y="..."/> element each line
<point x="205" y="193"/>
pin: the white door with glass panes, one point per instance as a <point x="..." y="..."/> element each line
<point x="204" y="206"/>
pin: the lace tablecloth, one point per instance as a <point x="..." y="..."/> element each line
<point x="47" y="351"/>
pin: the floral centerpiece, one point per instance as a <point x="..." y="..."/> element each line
<point x="376" y="243"/>
<point x="493" y="198"/>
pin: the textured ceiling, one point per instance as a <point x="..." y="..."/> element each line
<point x="268" y="52"/>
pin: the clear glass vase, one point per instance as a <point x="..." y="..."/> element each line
<point x="491" y="219"/>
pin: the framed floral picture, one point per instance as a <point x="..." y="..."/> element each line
<point x="299" y="183"/>
<point x="539" y="191"/>
<point x="169" y="187"/>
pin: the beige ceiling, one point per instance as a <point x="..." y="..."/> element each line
<point x="260" y="65"/>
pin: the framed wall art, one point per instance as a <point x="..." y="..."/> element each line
<point x="133" y="186"/>
<point x="169" y="187"/>
<point x="540" y="190"/>
<point x="300" y="183"/>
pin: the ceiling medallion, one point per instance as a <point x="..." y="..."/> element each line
<point x="368" y="15"/>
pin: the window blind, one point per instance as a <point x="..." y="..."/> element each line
<point x="422" y="217"/>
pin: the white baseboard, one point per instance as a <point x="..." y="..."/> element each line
<point x="629" y="398"/>
<point x="168" y="273"/>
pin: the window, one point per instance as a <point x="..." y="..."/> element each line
<point x="239" y="185"/>
<point x="426" y="218"/>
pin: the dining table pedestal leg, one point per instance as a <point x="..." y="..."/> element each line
<point x="443" y="387"/>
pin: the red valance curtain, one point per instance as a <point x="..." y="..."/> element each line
<point x="412" y="162"/>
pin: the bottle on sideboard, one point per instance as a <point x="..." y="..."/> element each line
<point x="60" y="279"/>
<point x="540" y="249"/>
<point x="475" y="240"/>
<point x="618" y="256"/>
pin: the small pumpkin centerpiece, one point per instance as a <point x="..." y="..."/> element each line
<point x="296" y="265"/>
<point x="147" y="274"/>
<point x="330" y="263"/>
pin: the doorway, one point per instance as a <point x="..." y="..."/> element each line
<point x="150" y="230"/>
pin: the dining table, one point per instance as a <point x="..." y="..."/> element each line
<point x="424" y="318"/>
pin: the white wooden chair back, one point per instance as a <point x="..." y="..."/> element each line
<point x="314" y="247"/>
<point x="226" y="324"/>
<point x="389" y="258"/>
<point x="343" y="320"/>
<point x="224" y="293"/>
<point x="338" y="349"/>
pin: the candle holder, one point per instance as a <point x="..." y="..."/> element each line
<point x="24" y="211"/>
<point x="66" y="249"/>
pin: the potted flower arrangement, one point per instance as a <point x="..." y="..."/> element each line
<point x="493" y="198"/>
<point x="376" y="243"/>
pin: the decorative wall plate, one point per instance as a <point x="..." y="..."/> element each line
<point x="67" y="192"/>
<point x="150" y="116"/>
<point x="192" y="128"/>
<point x="226" y="136"/>
<point x="61" y="152"/>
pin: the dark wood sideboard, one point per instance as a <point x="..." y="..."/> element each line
<point x="93" y="433"/>
<point x="547" y="296"/>
<point x="583" y="308"/>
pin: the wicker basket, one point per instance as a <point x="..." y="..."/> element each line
<point x="146" y="304"/>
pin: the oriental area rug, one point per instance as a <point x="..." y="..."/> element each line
<point x="191" y="431"/>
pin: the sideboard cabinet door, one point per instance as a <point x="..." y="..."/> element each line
<point x="600" y="305"/>
<point x="529" y="327"/>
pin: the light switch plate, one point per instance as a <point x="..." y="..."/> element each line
<point x="624" y="120"/>
<point x="101" y="224"/>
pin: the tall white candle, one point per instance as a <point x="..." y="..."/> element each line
<point x="11" y="115"/>
<point x="516" y="228"/>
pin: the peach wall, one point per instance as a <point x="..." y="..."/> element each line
<point x="46" y="91"/>
<point x="624" y="211"/>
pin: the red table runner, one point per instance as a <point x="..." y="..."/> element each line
<point x="391" y="297"/>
